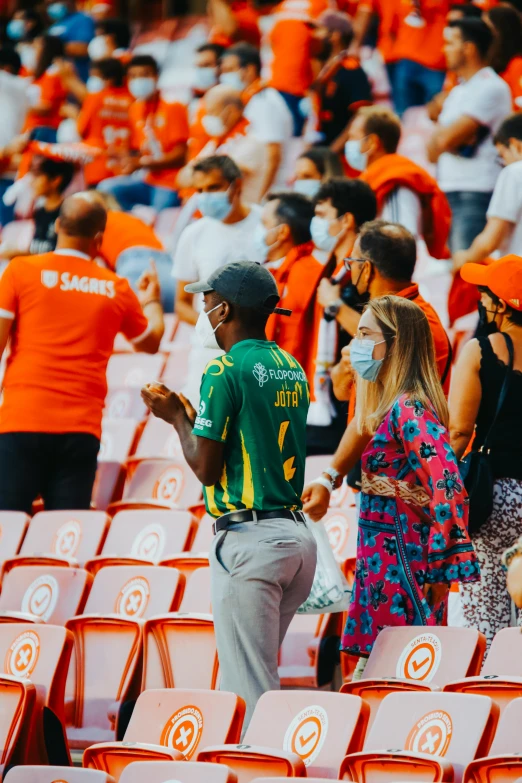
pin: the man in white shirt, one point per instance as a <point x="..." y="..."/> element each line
<point x="265" y="109"/>
<point x="503" y="231"/>
<point x="224" y="234"/>
<point x="462" y="145"/>
<point x="13" y="109"/>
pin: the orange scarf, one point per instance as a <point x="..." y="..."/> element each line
<point x="393" y="171"/>
<point x="254" y="89"/>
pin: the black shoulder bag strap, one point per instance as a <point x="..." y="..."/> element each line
<point x="448" y="362"/>
<point x="504" y="390"/>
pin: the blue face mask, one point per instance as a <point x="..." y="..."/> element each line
<point x="57" y="11"/>
<point x="307" y="187"/>
<point x="16" y="29"/>
<point x="320" y="230"/>
<point x="215" y="205"/>
<point x="361" y="353"/>
<point x="355" y="158"/>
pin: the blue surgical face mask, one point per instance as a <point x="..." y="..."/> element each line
<point x="361" y="353"/>
<point x="261" y="246"/>
<point x="15" y="29"/>
<point x="204" y="78"/>
<point x="307" y="187"/>
<point x="356" y="159"/>
<point x="215" y="205"/>
<point x="142" y="87"/>
<point x="319" y="228"/>
<point x="233" y="79"/>
<point x="57" y="11"/>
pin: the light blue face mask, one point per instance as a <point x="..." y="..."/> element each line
<point x="307" y="187"/>
<point x="57" y="11"/>
<point x="355" y="158"/>
<point x="15" y="29"/>
<point x="319" y="228"/>
<point x="215" y="205"/>
<point x="361" y="353"/>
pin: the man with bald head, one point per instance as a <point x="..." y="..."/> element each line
<point x="62" y="311"/>
<point x="230" y="133"/>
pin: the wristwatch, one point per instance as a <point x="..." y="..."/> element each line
<point x="334" y="476"/>
<point x="332" y="309"/>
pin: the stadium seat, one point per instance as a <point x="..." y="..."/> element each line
<point x="501" y="675"/>
<point x="56" y="775"/>
<point x="13" y="527"/>
<point x="293" y="733"/>
<point x="17" y="698"/>
<point x="188" y="562"/>
<point x="180" y="648"/>
<point x="170" y="725"/>
<point x="310" y="650"/>
<point x="108" y="645"/>
<point x="158" y="439"/>
<point x="503" y="763"/>
<point x="341" y="526"/>
<point x="177" y="366"/>
<point x="125" y="402"/>
<point x="179" y="771"/>
<point x="41" y="594"/>
<point x="159" y="483"/>
<point x="39" y="654"/>
<point x="433" y="736"/>
<point x="134" y="369"/>
<point x="145" y="537"/>
<point x="310" y="780"/>
<point x="117" y="441"/>
<point x="61" y="538"/>
<point x="411" y="658"/>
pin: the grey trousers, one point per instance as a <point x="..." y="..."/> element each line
<point x="260" y="574"/>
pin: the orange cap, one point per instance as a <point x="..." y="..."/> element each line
<point x="502" y="277"/>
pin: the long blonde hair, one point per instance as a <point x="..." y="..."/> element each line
<point x="409" y="366"/>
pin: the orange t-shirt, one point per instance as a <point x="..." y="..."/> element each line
<point x="247" y="30"/>
<point x="124" y="231"/>
<point x="513" y="77"/>
<point x="422" y="42"/>
<point x="49" y="89"/>
<point x="291" y="66"/>
<point x="104" y="123"/>
<point x="67" y="311"/>
<point x="156" y="129"/>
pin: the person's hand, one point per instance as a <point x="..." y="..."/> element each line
<point x="146" y="160"/>
<point x="327" y="293"/>
<point x="148" y="285"/>
<point x="514" y="580"/>
<point x="129" y="165"/>
<point x="346" y="361"/>
<point x="435" y="594"/>
<point x="162" y="403"/>
<point x="460" y="258"/>
<point x="189" y="408"/>
<point x="316" y="500"/>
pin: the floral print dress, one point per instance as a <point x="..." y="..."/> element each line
<point x="412" y="526"/>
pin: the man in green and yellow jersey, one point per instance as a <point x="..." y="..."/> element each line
<point x="247" y="445"/>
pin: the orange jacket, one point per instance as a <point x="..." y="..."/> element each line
<point x="393" y="171"/>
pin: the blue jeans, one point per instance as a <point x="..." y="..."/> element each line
<point x="468" y="217"/>
<point x="293" y="101"/>
<point x="7" y="211"/>
<point x="129" y="192"/>
<point x="414" y="84"/>
<point x="134" y="261"/>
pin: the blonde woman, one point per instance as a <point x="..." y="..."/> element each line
<point x="413" y="540"/>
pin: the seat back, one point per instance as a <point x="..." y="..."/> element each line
<point x="49" y="594"/>
<point x="177" y="366"/>
<point x="508" y="737"/>
<point x="38" y="774"/>
<point x="436" y="655"/>
<point x="456" y="727"/>
<point x="134" y="369"/>
<point x="179" y="771"/>
<point x="170" y="483"/>
<point x="319" y="727"/>
<point x="13" y="526"/>
<point x="204" y="536"/>
<point x="197" y="592"/>
<point x="17" y="698"/>
<point x="70" y="534"/>
<point x="186" y="720"/>
<point x="159" y="439"/>
<point x="149" y="534"/>
<point x="124" y="402"/>
<point x="341" y="526"/>
<point x="135" y="592"/>
<point x="116" y="440"/>
<point x="505" y="654"/>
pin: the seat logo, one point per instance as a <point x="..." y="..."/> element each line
<point x="67" y="539"/>
<point x="149" y="543"/>
<point x="420" y="659"/>
<point x="431" y="734"/>
<point x="338" y="531"/>
<point x="133" y="598"/>
<point x="183" y="731"/>
<point x="306" y="734"/>
<point x="22" y="656"/>
<point x="169" y="486"/>
<point x="49" y="278"/>
<point x="41" y="597"/>
<point x="119" y="405"/>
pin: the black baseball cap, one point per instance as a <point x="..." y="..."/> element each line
<point x="245" y="284"/>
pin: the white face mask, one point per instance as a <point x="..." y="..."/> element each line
<point x="214" y="126"/>
<point x="233" y="79"/>
<point x="142" y="87"/>
<point x="205" y="332"/>
<point x="307" y="187"/>
<point x="355" y="158"/>
<point x="95" y="84"/>
<point x="204" y="78"/>
<point x="98" y="48"/>
<point x="28" y="57"/>
<point x="320" y="230"/>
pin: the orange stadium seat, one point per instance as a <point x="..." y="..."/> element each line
<point x="108" y="645"/>
<point x="503" y="763"/>
<point x="177" y="366"/>
<point x="310" y="650"/>
<point x="158" y="439"/>
<point x="341" y="526"/>
<point x="310" y="780"/>
<point x="134" y="369"/>
<point x="144" y="536"/>
<point x="188" y="562"/>
<point x="13" y="527"/>
<point x="179" y="771"/>
<point x="117" y="441"/>
<point x="56" y="775"/>
<point x="295" y="732"/>
<point x="40" y="654"/>
<point x="61" y="538"/>
<point x="41" y="594"/>
<point x="159" y="483"/>
<point x="433" y="736"/>
<point x="411" y="658"/>
<point x="17" y="698"/>
<point x="170" y="725"/>
<point x="180" y="648"/>
<point x="501" y="675"/>
<point x="125" y="402"/>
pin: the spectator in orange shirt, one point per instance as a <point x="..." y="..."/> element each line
<point x="158" y="142"/>
<point x="47" y="92"/>
<point x="506" y="53"/>
<point x="62" y="312"/>
<point x="104" y="119"/>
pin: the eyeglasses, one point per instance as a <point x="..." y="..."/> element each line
<point x="348" y="261"/>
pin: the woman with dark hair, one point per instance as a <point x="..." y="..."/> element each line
<point x="477" y="383"/>
<point x="314" y="167"/>
<point x="47" y="91"/>
<point x="506" y="53"/>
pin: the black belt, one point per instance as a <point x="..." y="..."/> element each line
<point x="237" y="517"/>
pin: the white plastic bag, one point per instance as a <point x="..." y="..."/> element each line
<point x="330" y="592"/>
